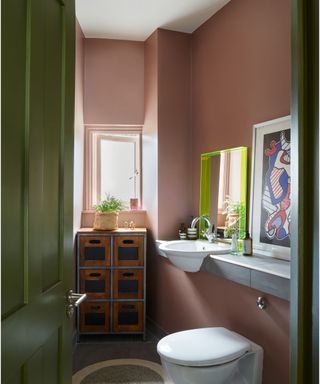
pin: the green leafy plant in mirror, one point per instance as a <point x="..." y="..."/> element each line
<point x="110" y="204"/>
<point x="231" y="206"/>
<point x="234" y="211"/>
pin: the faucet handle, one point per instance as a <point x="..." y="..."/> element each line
<point x="211" y="236"/>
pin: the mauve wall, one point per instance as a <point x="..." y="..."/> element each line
<point x="150" y="135"/>
<point x="78" y="131"/>
<point x="167" y="132"/>
<point x="174" y="132"/>
<point x="166" y="153"/>
<point x="240" y="76"/>
<point x="114" y="82"/>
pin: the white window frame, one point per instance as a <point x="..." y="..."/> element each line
<point x="92" y="160"/>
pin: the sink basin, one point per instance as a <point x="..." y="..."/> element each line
<point x="188" y="255"/>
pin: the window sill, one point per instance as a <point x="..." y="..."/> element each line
<point x="138" y="216"/>
<point x="124" y="211"/>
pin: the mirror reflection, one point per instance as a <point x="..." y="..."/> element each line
<point x="223" y="191"/>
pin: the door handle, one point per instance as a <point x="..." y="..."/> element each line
<point x="73" y="300"/>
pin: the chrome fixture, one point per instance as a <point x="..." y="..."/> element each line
<point x="73" y="300"/>
<point x="209" y="234"/>
<point x="261" y="303"/>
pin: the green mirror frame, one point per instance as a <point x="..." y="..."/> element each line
<point x="205" y="185"/>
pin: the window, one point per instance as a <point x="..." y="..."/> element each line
<point x="113" y="164"/>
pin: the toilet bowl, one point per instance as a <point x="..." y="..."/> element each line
<point x="211" y="356"/>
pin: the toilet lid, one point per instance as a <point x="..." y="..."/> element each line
<point x="203" y="347"/>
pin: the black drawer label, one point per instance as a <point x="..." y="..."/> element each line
<point x="128" y="318"/>
<point x="94" y="319"/>
<point x="94" y="286"/>
<point x="128" y="286"/>
<point x="94" y="253"/>
<point x="126" y="253"/>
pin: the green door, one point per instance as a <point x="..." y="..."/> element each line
<point x="37" y="166"/>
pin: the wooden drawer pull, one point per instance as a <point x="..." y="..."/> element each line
<point x="129" y="241"/>
<point x="128" y="274"/>
<point x="95" y="274"/>
<point x="94" y="241"/>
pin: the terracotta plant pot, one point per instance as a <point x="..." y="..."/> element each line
<point x="105" y="221"/>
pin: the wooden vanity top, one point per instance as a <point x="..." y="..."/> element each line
<point x="115" y="231"/>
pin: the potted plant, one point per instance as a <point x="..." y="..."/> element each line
<point x="107" y="212"/>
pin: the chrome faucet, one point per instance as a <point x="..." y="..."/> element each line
<point x="209" y="234"/>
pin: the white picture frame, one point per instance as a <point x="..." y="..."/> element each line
<point x="271" y="188"/>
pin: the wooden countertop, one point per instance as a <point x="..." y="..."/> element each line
<point x="119" y="230"/>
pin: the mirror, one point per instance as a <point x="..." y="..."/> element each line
<point x="223" y="190"/>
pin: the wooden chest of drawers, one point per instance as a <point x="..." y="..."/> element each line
<point x="111" y="271"/>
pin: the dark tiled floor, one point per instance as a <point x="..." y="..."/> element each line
<point x="93" y="349"/>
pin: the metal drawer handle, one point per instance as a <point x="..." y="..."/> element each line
<point x="94" y="241"/>
<point x="128" y="274"/>
<point x="128" y="241"/>
<point x="95" y="274"/>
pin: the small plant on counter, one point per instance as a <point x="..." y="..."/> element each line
<point x="110" y="204"/>
<point x="107" y="212"/>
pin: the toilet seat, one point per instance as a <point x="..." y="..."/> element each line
<point x="203" y="347"/>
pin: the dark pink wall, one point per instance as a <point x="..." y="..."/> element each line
<point x="166" y="150"/>
<point x="167" y="132"/>
<point x="150" y="134"/>
<point x="174" y="131"/>
<point x="240" y="76"/>
<point x="114" y="82"/>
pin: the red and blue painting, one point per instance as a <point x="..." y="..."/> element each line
<point x="276" y="189"/>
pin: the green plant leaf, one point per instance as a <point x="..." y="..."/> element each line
<point x="110" y="204"/>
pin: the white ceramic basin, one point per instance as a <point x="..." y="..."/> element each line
<point x="188" y="255"/>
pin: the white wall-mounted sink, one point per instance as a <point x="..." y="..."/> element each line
<point x="188" y="255"/>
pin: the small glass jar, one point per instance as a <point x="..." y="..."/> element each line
<point x="234" y="244"/>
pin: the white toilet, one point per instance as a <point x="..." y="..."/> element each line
<point x="211" y="356"/>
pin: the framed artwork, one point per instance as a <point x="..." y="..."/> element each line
<point x="271" y="188"/>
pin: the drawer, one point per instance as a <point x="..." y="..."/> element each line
<point x="128" y="251"/>
<point x="94" y="317"/>
<point x="128" y="316"/>
<point x="94" y="251"/>
<point x="128" y="283"/>
<point x="95" y="283"/>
